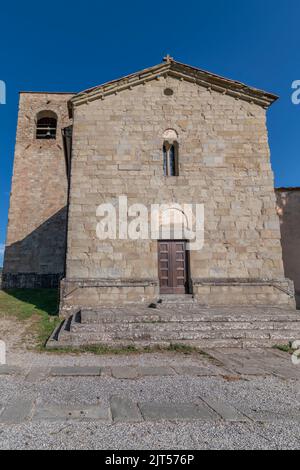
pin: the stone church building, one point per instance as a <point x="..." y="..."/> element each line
<point x="171" y="133"/>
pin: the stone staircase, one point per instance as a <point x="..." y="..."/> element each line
<point x="186" y="323"/>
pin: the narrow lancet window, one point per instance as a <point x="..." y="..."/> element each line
<point x="170" y="153"/>
<point x="165" y="161"/>
<point x="170" y="159"/>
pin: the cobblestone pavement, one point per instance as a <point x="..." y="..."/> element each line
<point x="229" y="399"/>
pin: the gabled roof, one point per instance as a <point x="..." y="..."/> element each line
<point x="173" y="68"/>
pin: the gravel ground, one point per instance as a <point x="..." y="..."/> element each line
<point x="163" y="435"/>
<point x="274" y="400"/>
<point x="272" y="403"/>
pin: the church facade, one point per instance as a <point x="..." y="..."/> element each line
<point x="171" y="135"/>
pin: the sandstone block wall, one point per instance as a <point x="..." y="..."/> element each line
<point x="288" y="208"/>
<point x="224" y="163"/>
<point x="36" y="234"/>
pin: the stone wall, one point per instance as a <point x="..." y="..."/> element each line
<point x="288" y="208"/>
<point x="224" y="163"/>
<point x="36" y="234"/>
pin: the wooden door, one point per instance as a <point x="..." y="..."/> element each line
<point x="172" y="265"/>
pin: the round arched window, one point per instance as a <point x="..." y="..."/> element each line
<point x="46" y="125"/>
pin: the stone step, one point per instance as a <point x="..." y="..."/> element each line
<point x="146" y="315"/>
<point x="218" y="327"/>
<point x="148" y="332"/>
<point x="176" y="299"/>
<point x="227" y="339"/>
<point x="175" y="327"/>
<point x="58" y="332"/>
<point x="76" y="341"/>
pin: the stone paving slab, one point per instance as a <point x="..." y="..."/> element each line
<point x="253" y="362"/>
<point x="162" y="371"/>
<point x="10" y="370"/>
<point x="37" y="373"/>
<point x="287" y="372"/>
<point x="105" y="371"/>
<point x="125" y="372"/>
<point x="152" y="411"/>
<point x="17" y="411"/>
<point x="243" y="366"/>
<point x="124" y="410"/>
<point x="59" y="413"/>
<point x="197" y="371"/>
<point x="225" y="410"/>
<point x="267" y="416"/>
<point x="249" y="370"/>
<point x="75" y="371"/>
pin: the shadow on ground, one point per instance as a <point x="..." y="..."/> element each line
<point x="46" y="300"/>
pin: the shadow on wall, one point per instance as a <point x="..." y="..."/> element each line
<point x="37" y="261"/>
<point x="288" y="208"/>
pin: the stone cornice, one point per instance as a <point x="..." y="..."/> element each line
<point x="180" y="71"/>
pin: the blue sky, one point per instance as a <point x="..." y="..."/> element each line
<point x="69" y="46"/>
